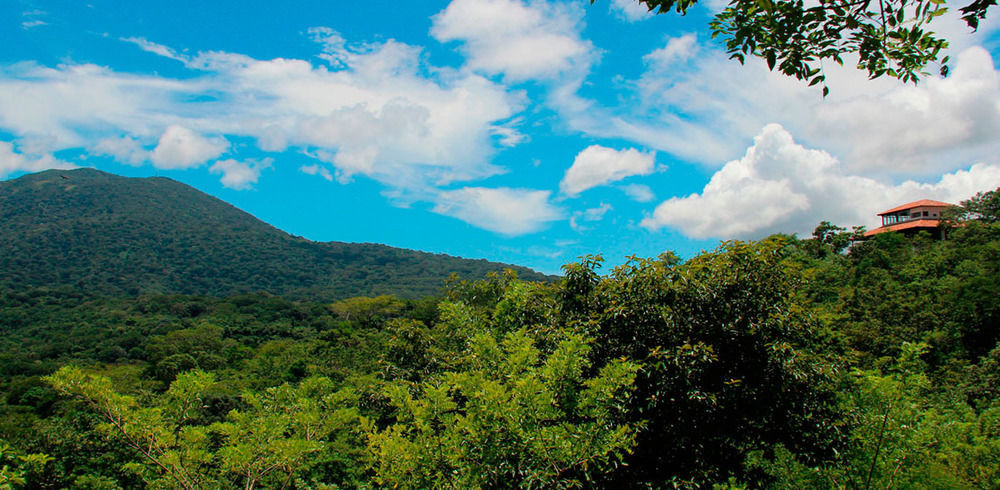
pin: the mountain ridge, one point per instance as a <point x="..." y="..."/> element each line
<point x="108" y="234"/>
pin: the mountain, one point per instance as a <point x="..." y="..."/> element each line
<point x="113" y="235"/>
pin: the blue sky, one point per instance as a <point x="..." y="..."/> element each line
<point x="529" y="132"/>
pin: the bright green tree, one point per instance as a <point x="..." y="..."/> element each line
<point x="509" y="415"/>
<point x="275" y="438"/>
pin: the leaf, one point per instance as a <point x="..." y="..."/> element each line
<point x="770" y="60"/>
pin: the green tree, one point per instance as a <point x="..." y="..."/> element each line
<point x="729" y="361"/>
<point x="889" y="37"/>
<point x="16" y="469"/>
<point x="369" y="312"/>
<point x="510" y="415"/>
<point x="905" y="433"/>
<point x="984" y="206"/>
<point x="274" y="438"/>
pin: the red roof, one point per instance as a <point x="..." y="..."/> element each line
<point x="917" y="204"/>
<point x="906" y="225"/>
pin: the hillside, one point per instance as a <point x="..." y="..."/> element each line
<point x="106" y="234"/>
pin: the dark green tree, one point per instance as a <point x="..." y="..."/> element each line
<point x="888" y="37"/>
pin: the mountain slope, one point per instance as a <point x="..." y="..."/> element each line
<point x="115" y="235"/>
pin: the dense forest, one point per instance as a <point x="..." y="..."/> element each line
<point x="819" y="362"/>
<point x="93" y="231"/>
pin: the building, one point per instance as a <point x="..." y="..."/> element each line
<point x="922" y="215"/>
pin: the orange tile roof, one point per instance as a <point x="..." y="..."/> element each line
<point x="906" y="225"/>
<point x="917" y="204"/>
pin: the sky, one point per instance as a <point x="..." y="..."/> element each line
<point x="521" y="131"/>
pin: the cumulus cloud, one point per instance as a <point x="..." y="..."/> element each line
<point x="124" y="149"/>
<point x="179" y="148"/>
<point x="535" y="40"/>
<point x="503" y="210"/>
<point x="781" y="186"/>
<point x="598" y="165"/>
<point x="919" y="128"/>
<point x="696" y="104"/>
<point x="239" y="175"/>
<point x="12" y="161"/>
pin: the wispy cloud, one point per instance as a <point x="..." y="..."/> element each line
<point x="588" y="215"/>
<point x="638" y="192"/>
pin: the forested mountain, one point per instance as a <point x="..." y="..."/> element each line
<point x="112" y="235"/>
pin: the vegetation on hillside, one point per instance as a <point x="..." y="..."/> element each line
<point x="782" y="363"/>
<point x="103" y="234"/>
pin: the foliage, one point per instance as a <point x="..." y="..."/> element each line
<point x="905" y="436"/>
<point x="729" y="366"/>
<point x="984" y="206"/>
<point x="111" y="235"/>
<point x="265" y="444"/>
<point x="889" y="37"/>
<point x="825" y="362"/>
<point x="510" y="415"/>
<point x="368" y="311"/>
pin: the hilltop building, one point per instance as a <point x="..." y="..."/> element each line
<point x="914" y="217"/>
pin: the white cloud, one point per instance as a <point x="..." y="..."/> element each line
<point x="239" y="175"/>
<point x="315" y="169"/>
<point x="157" y="49"/>
<point x="638" y="192"/>
<point x="502" y="210"/>
<point x="780" y="186"/>
<point x="32" y="19"/>
<point x="508" y="135"/>
<point x="919" y="129"/>
<point x="11" y="161"/>
<point x="179" y="148"/>
<point x="535" y="40"/>
<point x="598" y="165"/>
<point x="123" y="149"/>
<point x="630" y="10"/>
<point x="382" y="112"/>
<point x="588" y="215"/>
<point x="695" y="104"/>
<point x="677" y="49"/>
<point x="72" y="105"/>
